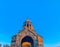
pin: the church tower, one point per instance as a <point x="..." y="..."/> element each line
<point x="28" y="25"/>
<point x="27" y="37"/>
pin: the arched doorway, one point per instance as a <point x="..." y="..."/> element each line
<point x="27" y="42"/>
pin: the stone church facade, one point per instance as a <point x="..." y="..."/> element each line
<point x="27" y="37"/>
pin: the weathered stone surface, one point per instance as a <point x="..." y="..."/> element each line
<point x="25" y="35"/>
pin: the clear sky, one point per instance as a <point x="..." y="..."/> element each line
<point x="44" y="15"/>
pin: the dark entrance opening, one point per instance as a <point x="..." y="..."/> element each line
<point x="27" y="39"/>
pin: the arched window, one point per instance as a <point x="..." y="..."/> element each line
<point x="28" y="39"/>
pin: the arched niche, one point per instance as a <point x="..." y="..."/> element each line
<point x="28" y="39"/>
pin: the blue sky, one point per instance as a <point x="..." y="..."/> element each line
<point x="44" y="15"/>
